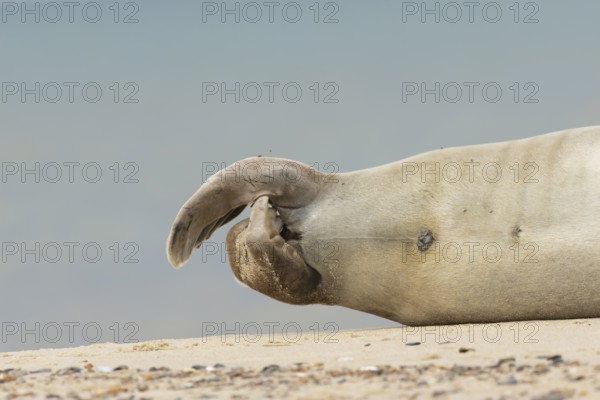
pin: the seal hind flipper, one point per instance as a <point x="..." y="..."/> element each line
<point x="224" y="195"/>
<point x="262" y="259"/>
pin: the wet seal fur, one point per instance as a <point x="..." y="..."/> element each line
<point x="377" y="240"/>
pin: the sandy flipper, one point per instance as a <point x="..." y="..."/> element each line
<point x="535" y="359"/>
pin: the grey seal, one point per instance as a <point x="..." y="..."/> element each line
<point x="485" y="233"/>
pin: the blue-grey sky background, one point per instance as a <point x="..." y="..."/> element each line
<point x="172" y="135"/>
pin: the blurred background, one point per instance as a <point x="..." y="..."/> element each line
<point x="113" y="114"/>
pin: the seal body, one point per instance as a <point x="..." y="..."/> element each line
<point x="485" y="233"/>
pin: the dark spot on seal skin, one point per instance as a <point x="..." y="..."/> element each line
<point x="516" y="231"/>
<point x="424" y="239"/>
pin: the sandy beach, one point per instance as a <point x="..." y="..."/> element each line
<point x="533" y="359"/>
